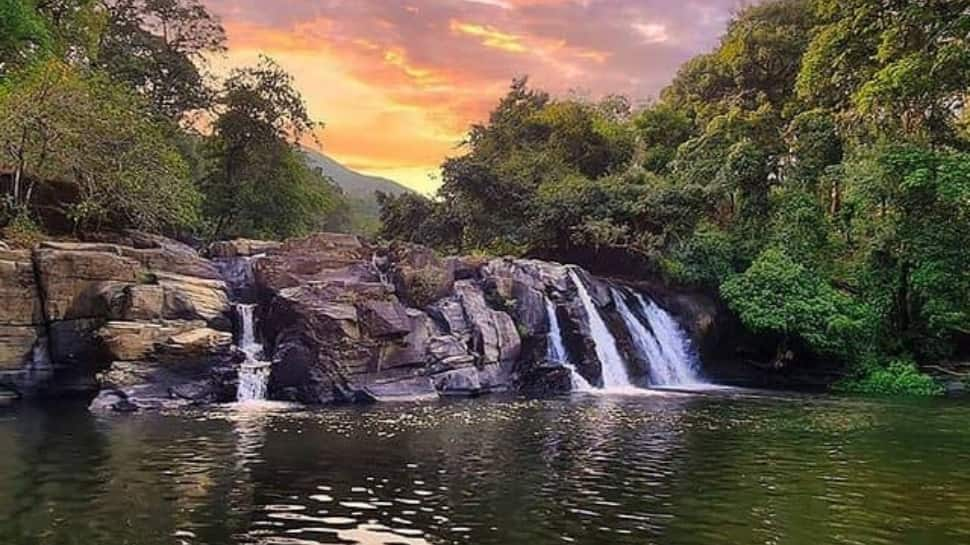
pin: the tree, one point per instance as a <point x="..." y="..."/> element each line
<point x="781" y="297"/>
<point x="662" y="129"/>
<point x="892" y="64"/>
<point x="23" y="33"/>
<point x="915" y="224"/>
<point x="60" y="125"/>
<point x="159" y="48"/>
<point x="258" y="183"/>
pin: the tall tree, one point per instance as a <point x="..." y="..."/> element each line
<point x="159" y="47"/>
<point x="259" y="183"/>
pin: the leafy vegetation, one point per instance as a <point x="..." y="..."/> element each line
<point x="100" y="102"/>
<point x="813" y="170"/>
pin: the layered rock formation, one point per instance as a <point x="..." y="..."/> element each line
<point x="347" y="321"/>
<point x="146" y="322"/>
<point x="117" y="314"/>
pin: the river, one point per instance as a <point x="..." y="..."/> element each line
<point x="664" y="468"/>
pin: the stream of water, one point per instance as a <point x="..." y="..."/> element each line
<point x="254" y="372"/>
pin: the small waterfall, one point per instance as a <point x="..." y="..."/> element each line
<point x="614" y="369"/>
<point x="660" y="341"/>
<point x="253" y="373"/>
<point x="239" y="276"/>
<point x="557" y="350"/>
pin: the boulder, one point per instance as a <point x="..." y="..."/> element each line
<point x="17" y="345"/>
<point x="228" y="249"/>
<point x="545" y="379"/>
<point x="323" y="257"/>
<point x="158" y="253"/>
<point x="192" y="298"/>
<point x="412" y="349"/>
<point x="19" y="299"/>
<point x="494" y="334"/>
<point x="74" y="276"/>
<point x="450" y="316"/>
<point x="200" y="346"/>
<point x="449" y="352"/>
<point x="471" y="381"/>
<point x="385" y="318"/>
<point x="134" y="341"/>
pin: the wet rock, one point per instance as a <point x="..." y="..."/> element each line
<point x="494" y="334"/>
<point x="112" y="401"/>
<point x="545" y="379"/>
<point x="418" y="388"/>
<point x="471" y="381"/>
<point x="955" y="388"/>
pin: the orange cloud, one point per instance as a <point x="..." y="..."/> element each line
<point x="490" y="37"/>
<point x="399" y="83"/>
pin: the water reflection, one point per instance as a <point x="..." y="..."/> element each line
<point x="663" y="468"/>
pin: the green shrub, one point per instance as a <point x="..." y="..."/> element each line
<point x="23" y="231"/>
<point x="704" y="259"/>
<point x="899" y="377"/>
<point x="424" y="286"/>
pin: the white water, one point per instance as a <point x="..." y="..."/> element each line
<point x="614" y="369"/>
<point x="663" y="344"/>
<point x="254" y="373"/>
<point x="557" y="350"/>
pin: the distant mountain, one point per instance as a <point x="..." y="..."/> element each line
<point x="360" y="190"/>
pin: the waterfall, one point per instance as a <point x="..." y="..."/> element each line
<point x="659" y="340"/>
<point x="614" y="369"/>
<point x="253" y="373"/>
<point x="239" y="276"/>
<point x="557" y="350"/>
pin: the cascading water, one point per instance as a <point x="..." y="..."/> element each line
<point x="659" y="340"/>
<point x="680" y="366"/>
<point x="614" y="369"/>
<point x="557" y="350"/>
<point x="253" y="373"/>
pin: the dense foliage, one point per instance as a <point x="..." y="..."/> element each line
<point x="813" y="170"/>
<point x="100" y="108"/>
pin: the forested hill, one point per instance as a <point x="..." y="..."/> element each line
<point x="353" y="184"/>
<point x="360" y="190"/>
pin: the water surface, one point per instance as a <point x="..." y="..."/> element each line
<point x="664" y="469"/>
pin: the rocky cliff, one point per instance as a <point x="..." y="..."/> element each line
<point x="140" y="321"/>
<point x="127" y="312"/>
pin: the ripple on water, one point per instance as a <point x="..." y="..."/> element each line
<point x="668" y="468"/>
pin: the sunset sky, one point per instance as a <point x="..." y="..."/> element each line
<point x="398" y="83"/>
